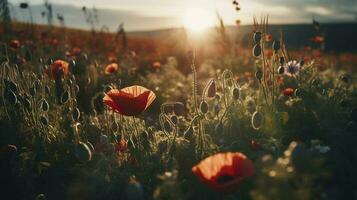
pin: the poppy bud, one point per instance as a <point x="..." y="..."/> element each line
<point x="259" y="74"/>
<point x="257" y="50"/>
<point x="41" y="197"/>
<point x="10" y="85"/>
<point x="236" y="93"/>
<point x="204" y="107"/>
<point x="218" y="128"/>
<point x="49" y="61"/>
<point x="44" y="120"/>
<point x="76" y="114"/>
<point x="189" y="133"/>
<point x="288" y="91"/>
<point x="104" y="139"/>
<point x="257" y="120"/>
<point x="82" y="152"/>
<point x="44" y="105"/>
<point x="65" y="97"/>
<point x="257" y="37"/>
<point x="281" y="70"/>
<point x="167" y="127"/>
<point x="211" y="89"/>
<point x="174" y="119"/>
<point x="345" y="78"/>
<point x="276" y="45"/>
<point x="179" y="108"/>
<point x="302" y="62"/>
<point x="298" y="92"/>
<point x="24" y="5"/>
<point x="281" y="60"/>
<point x="33" y="91"/>
<point x="11" y="97"/>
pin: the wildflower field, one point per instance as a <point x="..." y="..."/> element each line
<point x="92" y="114"/>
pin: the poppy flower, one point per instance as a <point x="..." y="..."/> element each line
<point x="268" y="37"/>
<point x="15" y="44"/>
<point x="76" y="52"/>
<point x="288" y="91"/>
<point x="58" y="69"/>
<point x="224" y="171"/>
<point x="156" y="65"/>
<point x="121" y="146"/>
<point x="292" y="68"/>
<point x="111" y="68"/>
<point x="318" y="39"/>
<point x="129" y="101"/>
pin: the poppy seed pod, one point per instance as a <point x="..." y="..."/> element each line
<point x="276" y="45"/>
<point x="82" y="152"/>
<point x="47" y="89"/>
<point x="10" y="85"/>
<point x="257" y="120"/>
<point x="44" y="120"/>
<point x="65" y="97"/>
<point x="41" y="197"/>
<point x="211" y="92"/>
<point x="345" y="78"/>
<point x="76" y="114"/>
<point x="257" y="37"/>
<point x="11" y="97"/>
<point x="259" y="74"/>
<point x="104" y="139"/>
<point x="236" y="93"/>
<point x="167" y="127"/>
<point x="179" y="108"/>
<point x="302" y="62"/>
<point x="204" y="107"/>
<point x="281" y="70"/>
<point x="298" y="92"/>
<point x="257" y="50"/>
<point x="33" y="91"/>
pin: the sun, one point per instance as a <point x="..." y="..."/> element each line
<point x="197" y="20"/>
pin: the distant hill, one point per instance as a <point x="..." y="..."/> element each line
<point x="340" y="37"/>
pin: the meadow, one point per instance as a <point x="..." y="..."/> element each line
<point x="101" y="115"/>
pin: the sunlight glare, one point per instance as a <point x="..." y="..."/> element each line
<point x="197" y="20"/>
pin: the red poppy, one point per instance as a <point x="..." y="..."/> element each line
<point x="75" y="52"/>
<point x="58" y="69"/>
<point x="130" y="101"/>
<point x="111" y="68"/>
<point x="122" y="146"/>
<point x="288" y="91"/>
<point x="156" y="65"/>
<point x="318" y="39"/>
<point x="224" y="171"/>
<point x="268" y="37"/>
<point x="15" y="44"/>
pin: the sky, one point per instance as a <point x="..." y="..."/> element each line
<point x="195" y="14"/>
